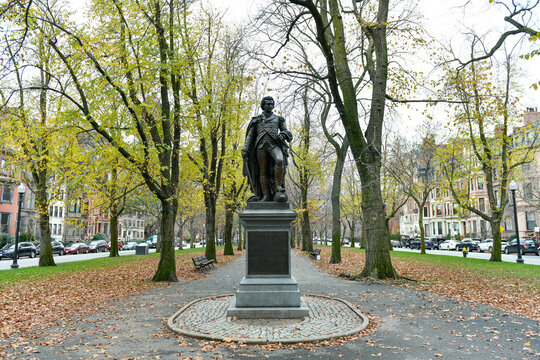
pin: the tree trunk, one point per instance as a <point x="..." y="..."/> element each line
<point x="227" y="237"/>
<point x="191" y="235"/>
<point x="378" y="263"/>
<point x="181" y="235"/>
<point x="45" y="249"/>
<point x="496" y="232"/>
<point x="352" y="226"/>
<point x="368" y="162"/>
<point x="306" y="230"/>
<point x="239" y="247"/>
<point x="335" y="258"/>
<point x="422" y="232"/>
<point x="210" y="205"/>
<point x="166" y="270"/>
<point x="304" y="244"/>
<point x="114" y="230"/>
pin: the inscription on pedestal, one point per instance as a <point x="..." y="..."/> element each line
<point x="268" y="253"/>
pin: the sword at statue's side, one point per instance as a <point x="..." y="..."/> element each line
<point x="246" y="166"/>
<point x="284" y="143"/>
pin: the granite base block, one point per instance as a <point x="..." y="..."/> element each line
<point x="268" y="292"/>
<point x="268" y="312"/>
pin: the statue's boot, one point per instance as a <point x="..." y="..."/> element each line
<point x="279" y="178"/>
<point x="265" y="188"/>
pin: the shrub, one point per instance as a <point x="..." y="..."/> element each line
<point x="26" y="237"/>
<point x="5" y="239"/>
<point x="99" y="236"/>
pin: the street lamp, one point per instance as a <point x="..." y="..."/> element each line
<point x="513" y="187"/>
<point x="20" y="189"/>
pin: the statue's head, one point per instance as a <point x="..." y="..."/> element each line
<point x="267" y="99"/>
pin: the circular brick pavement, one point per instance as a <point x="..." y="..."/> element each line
<point x="328" y="318"/>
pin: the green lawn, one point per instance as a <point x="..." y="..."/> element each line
<point x="480" y="266"/>
<point x="11" y="276"/>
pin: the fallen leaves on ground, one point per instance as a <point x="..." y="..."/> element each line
<point x="35" y="303"/>
<point x="515" y="295"/>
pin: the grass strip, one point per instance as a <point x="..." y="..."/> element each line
<point x="13" y="276"/>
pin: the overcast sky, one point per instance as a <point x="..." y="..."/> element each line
<point x="445" y="21"/>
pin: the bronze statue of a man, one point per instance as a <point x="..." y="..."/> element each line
<point x="265" y="154"/>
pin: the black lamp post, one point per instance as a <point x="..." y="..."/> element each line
<point x="20" y="189"/>
<point x="513" y="187"/>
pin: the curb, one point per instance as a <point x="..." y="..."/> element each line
<point x="259" y="341"/>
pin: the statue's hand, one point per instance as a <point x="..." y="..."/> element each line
<point x="282" y="137"/>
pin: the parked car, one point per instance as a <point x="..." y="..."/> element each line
<point x="487" y="245"/>
<point x="130" y="246"/>
<point x="527" y="246"/>
<point x="406" y="243"/>
<point x="436" y="242"/>
<point x="469" y="243"/>
<point x="395" y="243"/>
<point x="152" y="241"/>
<point x="448" y="245"/>
<point x="57" y="248"/>
<point x="77" y="248"/>
<point x="416" y="244"/>
<point x="98" y="246"/>
<point x="25" y="249"/>
<point x="120" y="245"/>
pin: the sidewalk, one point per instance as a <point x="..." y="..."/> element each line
<point x="409" y="325"/>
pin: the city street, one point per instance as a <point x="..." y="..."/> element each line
<point x="530" y="259"/>
<point x="5" y="263"/>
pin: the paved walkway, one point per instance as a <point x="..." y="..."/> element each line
<point x="410" y="325"/>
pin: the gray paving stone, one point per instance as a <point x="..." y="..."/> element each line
<point x="328" y="318"/>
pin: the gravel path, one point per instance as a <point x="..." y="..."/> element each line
<point x="409" y="325"/>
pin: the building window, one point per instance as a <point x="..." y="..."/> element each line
<point x="7" y="194"/>
<point x="60" y="211"/>
<point x="4" y="222"/>
<point x="439" y="210"/>
<point x="480" y="182"/>
<point x="527" y="191"/>
<point x="54" y="229"/>
<point x="439" y="227"/>
<point x="481" y="204"/>
<point x="531" y="220"/>
<point x="426" y="211"/>
<point x="59" y="229"/>
<point x="56" y="211"/>
<point x="509" y="224"/>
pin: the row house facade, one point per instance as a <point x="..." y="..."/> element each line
<point x="9" y="197"/>
<point x="528" y="192"/>
<point x="445" y="219"/>
<point x="442" y="218"/>
<point x="69" y="220"/>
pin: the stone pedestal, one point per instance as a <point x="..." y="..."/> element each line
<point x="268" y="290"/>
